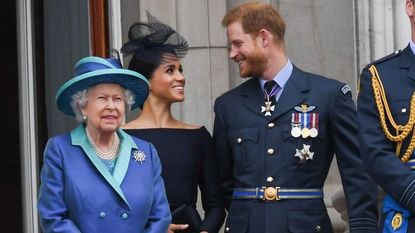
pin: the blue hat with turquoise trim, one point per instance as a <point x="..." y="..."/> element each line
<point x="91" y="71"/>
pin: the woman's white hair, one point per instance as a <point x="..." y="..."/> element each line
<point x="80" y="99"/>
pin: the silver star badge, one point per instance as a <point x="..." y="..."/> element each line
<point x="267" y="108"/>
<point x="304" y="154"/>
<point x="139" y="156"/>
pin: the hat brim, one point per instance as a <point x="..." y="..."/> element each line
<point x="131" y="80"/>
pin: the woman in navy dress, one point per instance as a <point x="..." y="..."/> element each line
<point x="185" y="150"/>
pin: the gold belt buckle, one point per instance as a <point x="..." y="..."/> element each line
<point x="271" y="193"/>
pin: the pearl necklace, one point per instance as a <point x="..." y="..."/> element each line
<point x="109" y="155"/>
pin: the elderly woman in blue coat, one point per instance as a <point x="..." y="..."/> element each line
<point x="98" y="178"/>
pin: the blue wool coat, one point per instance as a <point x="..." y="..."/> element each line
<point x="255" y="150"/>
<point x="78" y="194"/>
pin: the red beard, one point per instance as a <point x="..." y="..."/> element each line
<point x="255" y="65"/>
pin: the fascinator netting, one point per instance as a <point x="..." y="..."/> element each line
<point x="150" y="41"/>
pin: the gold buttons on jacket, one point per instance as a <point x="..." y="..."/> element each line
<point x="270" y="179"/>
<point x="102" y="214"/>
<point x="271" y="125"/>
<point x="270" y="151"/>
<point x="124" y="216"/>
<point x="239" y="140"/>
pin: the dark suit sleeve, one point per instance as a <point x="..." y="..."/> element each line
<point x="212" y="200"/>
<point x="53" y="211"/>
<point x="223" y="153"/>
<point x="360" y="190"/>
<point x="379" y="153"/>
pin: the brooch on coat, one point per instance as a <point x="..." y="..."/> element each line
<point x="139" y="156"/>
<point x="304" y="154"/>
<point x="303" y="122"/>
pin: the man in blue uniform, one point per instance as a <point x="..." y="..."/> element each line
<point x="276" y="135"/>
<point x="386" y="113"/>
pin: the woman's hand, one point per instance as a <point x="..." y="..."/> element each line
<point x="176" y="227"/>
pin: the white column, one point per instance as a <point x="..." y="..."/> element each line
<point x="27" y="116"/>
<point x="381" y="23"/>
<point x="402" y="26"/>
<point x="362" y="34"/>
<point x="114" y="18"/>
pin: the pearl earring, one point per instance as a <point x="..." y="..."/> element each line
<point x="84" y="117"/>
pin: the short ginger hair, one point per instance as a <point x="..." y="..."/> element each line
<point x="255" y="16"/>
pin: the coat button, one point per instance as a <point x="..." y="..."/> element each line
<point x="239" y="140"/>
<point x="271" y="125"/>
<point x="270" y="151"/>
<point x="227" y="229"/>
<point x="270" y="179"/>
<point x="102" y="214"/>
<point x="318" y="228"/>
<point x="124" y="216"/>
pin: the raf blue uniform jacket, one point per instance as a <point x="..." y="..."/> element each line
<point x="243" y="136"/>
<point x="78" y="194"/>
<point x="397" y="72"/>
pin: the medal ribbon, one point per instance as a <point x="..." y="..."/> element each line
<point x="273" y="91"/>
<point x="306" y="120"/>
<point x="314" y="120"/>
<point x="295" y="119"/>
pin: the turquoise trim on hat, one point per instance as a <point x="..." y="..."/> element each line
<point x="91" y="71"/>
<point x="94" y="59"/>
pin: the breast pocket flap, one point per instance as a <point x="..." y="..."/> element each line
<point x="243" y="135"/>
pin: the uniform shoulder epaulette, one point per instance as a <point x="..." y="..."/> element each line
<point x="385" y="58"/>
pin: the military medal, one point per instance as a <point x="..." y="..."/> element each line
<point x="314" y="125"/>
<point x="305" y="132"/>
<point x="296" y="131"/>
<point x="313" y="132"/>
<point x="295" y="125"/>
<point x="304" y="123"/>
<point x="139" y="156"/>
<point x="396" y="221"/>
<point x="268" y="108"/>
<point x="304" y="154"/>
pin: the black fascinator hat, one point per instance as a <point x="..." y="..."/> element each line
<point x="149" y="42"/>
